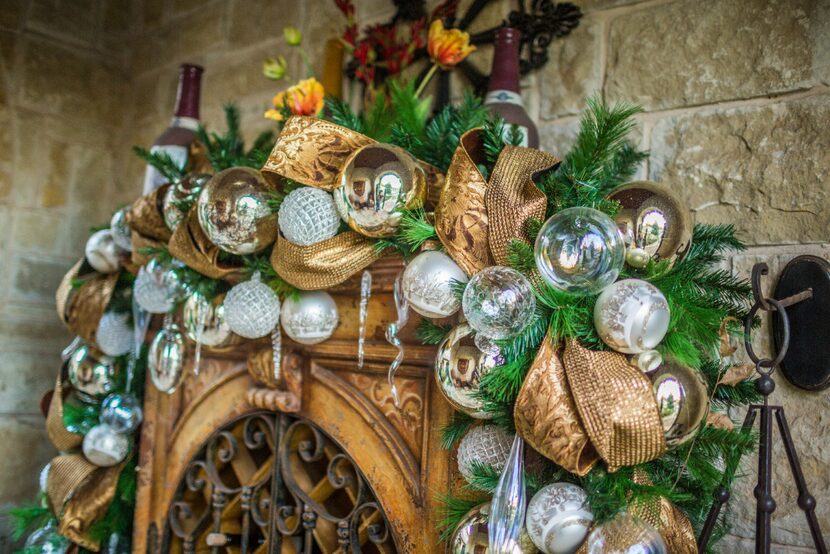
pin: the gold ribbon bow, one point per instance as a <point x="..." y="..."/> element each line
<point x="145" y="215"/>
<point x="192" y="246"/>
<point x="81" y="307"/>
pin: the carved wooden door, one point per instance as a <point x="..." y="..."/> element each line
<point x="324" y="462"/>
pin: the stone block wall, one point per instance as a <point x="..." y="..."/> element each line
<point x="736" y="98"/>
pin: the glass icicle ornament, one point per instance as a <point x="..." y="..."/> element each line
<point x="165" y="360"/>
<point x="558" y="518"/>
<point x="498" y="302"/>
<point x="626" y="534"/>
<point x="631" y="316"/>
<point x="252" y="308"/>
<point x="114" y="335"/>
<point x="427" y="284"/>
<point x="365" y="294"/>
<point x="102" y="253"/>
<point x="392" y="330"/>
<point x="156" y="288"/>
<point x="307" y="216"/>
<point x="121" y="233"/>
<point x="204" y="320"/>
<point x="105" y="447"/>
<point x="122" y="412"/>
<point x="507" y="508"/>
<point x="276" y="352"/>
<point x="141" y="323"/>
<point x="310" y="318"/>
<point x="486" y="445"/>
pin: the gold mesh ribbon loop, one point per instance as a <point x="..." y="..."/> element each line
<point x="145" y="217"/>
<point x="191" y="245"/>
<point x="81" y="308"/>
<point x="61" y="438"/>
<point x="668" y="519"/>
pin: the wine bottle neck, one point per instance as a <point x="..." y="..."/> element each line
<point x="187" y="96"/>
<point x="504" y="75"/>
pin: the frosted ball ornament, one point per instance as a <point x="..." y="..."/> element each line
<point x="92" y="374"/>
<point x="558" y="518"/>
<point x="157" y="288"/>
<point x="485" y="444"/>
<point x="310" y="317"/>
<point x="204" y="320"/>
<point x="631" y="316"/>
<point x="104" y="446"/>
<point x="180" y="194"/>
<point x="579" y="251"/>
<point x="626" y="534"/>
<point x="165" y="358"/>
<point x="114" y="335"/>
<point x="376" y="184"/>
<point x="459" y="367"/>
<point x="234" y="213"/>
<point x="427" y="284"/>
<point x="252" y="308"/>
<point x="102" y="253"/>
<point x="120" y="231"/>
<point x="307" y="216"/>
<point x="122" y="412"/>
<point x="498" y="302"/>
<point x="682" y="400"/>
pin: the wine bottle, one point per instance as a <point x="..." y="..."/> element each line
<point x="504" y="95"/>
<point x="181" y="133"/>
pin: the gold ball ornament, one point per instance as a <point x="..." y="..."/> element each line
<point x="655" y="223"/>
<point x="459" y="367"/>
<point x="183" y="192"/>
<point x="234" y="213"/>
<point x="683" y="401"/>
<point x="92" y="374"/>
<point x="378" y="182"/>
<point x="204" y="320"/>
<point x="472" y="535"/>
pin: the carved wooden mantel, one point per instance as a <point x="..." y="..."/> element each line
<point x="397" y="450"/>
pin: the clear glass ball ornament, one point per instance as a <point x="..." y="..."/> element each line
<point x="626" y="534"/>
<point x="498" y="302"/>
<point x="122" y="412"/>
<point x="427" y="284"/>
<point x="121" y="233"/>
<point x="484" y="444"/>
<point x="579" y="251"/>
<point x="114" y="335"/>
<point x="252" y="309"/>
<point x="558" y="518"/>
<point x="104" y="446"/>
<point x="631" y="316"/>
<point x="307" y="216"/>
<point x="309" y="318"/>
<point x="157" y="288"/>
<point x="102" y="253"/>
<point x="46" y="540"/>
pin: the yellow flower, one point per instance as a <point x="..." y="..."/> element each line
<point x="448" y="47"/>
<point x="304" y="98"/>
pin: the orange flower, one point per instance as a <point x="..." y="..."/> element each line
<point x="304" y="98"/>
<point x="448" y="47"/>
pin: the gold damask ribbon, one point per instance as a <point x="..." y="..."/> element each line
<point x="145" y="215"/>
<point x="191" y="245"/>
<point x="81" y="307"/>
<point x="62" y="439"/>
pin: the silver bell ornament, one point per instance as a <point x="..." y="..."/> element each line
<point x="92" y="374"/>
<point x="204" y="320"/>
<point x="498" y="302"/>
<point x="459" y="367"/>
<point x="165" y="358"/>
<point x="558" y="518"/>
<point x="122" y="412"/>
<point x="484" y="444"/>
<point x="579" y="251"/>
<point x="631" y="316"/>
<point x="252" y="308"/>
<point x="102" y="253"/>
<point x="157" y="288"/>
<point x="307" y="216"/>
<point x="427" y="284"/>
<point x="471" y="536"/>
<point x="104" y="446"/>
<point x="310" y="317"/>
<point x="114" y="335"/>
<point x="234" y="213"/>
<point x="120" y="231"/>
<point x="376" y="184"/>
<point x="656" y="225"/>
<point x="626" y="534"/>
<point x="682" y="400"/>
<point x="179" y="194"/>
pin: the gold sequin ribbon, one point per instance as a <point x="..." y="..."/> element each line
<point x="145" y="216"/>
<point x="191" y="245"/>
<point x="80" y="307"/>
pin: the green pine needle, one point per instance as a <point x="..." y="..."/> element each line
<point x="162" y="161"/>
<point x="429" y="332"/>
<point x="454" y="431"/>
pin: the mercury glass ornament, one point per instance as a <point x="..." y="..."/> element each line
<point x="655" y="224"/>
<point x="92" y="374"/>
<point x="181" y="193"/>
<point x="484" y="444"/>
<point x="102" y="253"/>
<point x="234" y="213"/>
<point x="252" y="309"/>
<point x="122" y="412"/>
<point x="104" y="446"/>
<point x="307" y="216"/>
<point x="114" y="335"/>
<point x="647" y="361"/>
<point x="427" y="284"/>
<point x="626" y="534"/>
<point x="631" y="316"/>
<point x="204" y="320"/>
<point x="472" y="535"/>
<point x="459" y="367"/>
<point x="558" y="518"/>
<point x="156" y="288"/>
<point x="377" y="183"/>
<point x="682" y="399"/>
<point x="310" y="317"/>
<point x="579" y="251"/>
<point x="121" y="233"/>
<point x="507" y="508"/>
<point x="165" y="359"/>
<point x="498" y="302"/>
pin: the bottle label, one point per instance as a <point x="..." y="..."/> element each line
<point x="185" y="122"/>
<point x="503" y="97"/>
<point x="153" y="178"/>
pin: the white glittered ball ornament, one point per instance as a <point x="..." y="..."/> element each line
<point x="487" y="445"/>
<point x="310" y="317"/>
<point x="427" y="284"/>
<point x="631" y="316"/>
<point x="252" y="309"/>
<point x="102" y="253"/>
<point x="307" y="216"/>
<point x="558" y="518"/>
<point x="156" y="288"/>
<point x="121" y="233"/>
<point x="105" y="447"/>
<point x="114" y="335"/>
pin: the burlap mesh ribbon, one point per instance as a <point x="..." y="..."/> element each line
<point x="191" y="245"/>
<point x="145" y="215"/>
<point x="81" y="307"/>
<point x="141" y="244"/>
<point x="668" y="519"/>
<point x="59" y="436"/>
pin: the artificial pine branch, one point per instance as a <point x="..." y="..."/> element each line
<point x="429" y="332"/>
<point x="261" y="263"/>
<point x="452" y="510"/>
<point x="454" y="431"/>
<point x="341" y="113"/>
<point x="27" y="518"/>
<point x="162" y="161"/>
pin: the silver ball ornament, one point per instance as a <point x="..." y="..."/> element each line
<point x="682" y="400"/>
<point x="579" y="251"/>
<point x="631" y="316"/>
<point x="484" y="444"/>
<point x="310" y="318"/>
<point x="122" y="412"/>
<point x="427" y="284"/>
<point x="204" y="320"/>
<point x="121" y="232"/>
<point x="105" y="447"/>
<point x="471" y="536"/>
<point x="252" y="309"/>
<point x="157" y="288"/>
<point x="114" y="335"/>
<point x="498" y="302"/>
<point x="626" y="534"/>
<point x="459" y="367"/>
<point x="165" y="359"/>
<point x="307" y="216"/>
<point x="558" y="518"/>
<point x="184" y="191"/>
<point x="47" y="540"/>
<point x="102" y="253"/>
<point x="92" y="374"/>
<point x="234" y="213"/>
